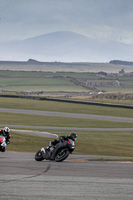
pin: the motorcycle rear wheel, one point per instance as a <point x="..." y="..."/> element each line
<point x="62" y="155"/>
<point x="39" y="156"/>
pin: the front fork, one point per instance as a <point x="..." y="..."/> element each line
<point x="46" y="153"/>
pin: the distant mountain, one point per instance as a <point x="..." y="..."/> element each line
<point x="35" y="62"/>
<point x="121" y="62"/>
<point x="65" y="46"/>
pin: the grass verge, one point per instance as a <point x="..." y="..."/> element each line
<point x="43" y="105"/>
<point x="88" y="143"/>
<point x="45" y="120"/>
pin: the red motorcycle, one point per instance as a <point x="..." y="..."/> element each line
<point x="2" y="143"/>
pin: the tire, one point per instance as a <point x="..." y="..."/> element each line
<point x="61" y="155"/>
<point x="3" y="149"/>
<point x="39" y="156"/>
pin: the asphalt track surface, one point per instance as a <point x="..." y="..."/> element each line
<point x="23" y="178"/>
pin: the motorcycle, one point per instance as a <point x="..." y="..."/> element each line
<point x="2" y="143"/>
<point x="59" y="152"/>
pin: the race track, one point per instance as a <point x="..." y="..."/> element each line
<point x="23" y="178"/>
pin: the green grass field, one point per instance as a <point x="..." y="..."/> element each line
<point x="45" y="120"/>
<point x="43" y="105"/>
<point x="39" y="84"/>
<point x="60" y="81"/>
<point x="89" y="142"/>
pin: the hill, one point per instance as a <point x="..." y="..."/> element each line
<point x="120" y="62"/>
<point x="65" y="46"/>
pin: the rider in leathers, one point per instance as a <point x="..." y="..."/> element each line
<point x="6" y="133"/>
<point x="72" y="136"/>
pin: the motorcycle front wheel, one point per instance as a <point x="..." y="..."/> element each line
<point x="61" y="155"/>
<point x="3" y="149"/>
<point x="39" y="156"/>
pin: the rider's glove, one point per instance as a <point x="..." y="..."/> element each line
<point x="50" y="144"/>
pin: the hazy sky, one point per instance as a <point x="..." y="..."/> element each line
<point x="100" y="19"/>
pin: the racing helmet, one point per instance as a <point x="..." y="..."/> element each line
<point x="6" y="130"/>
<point x="73" y="136"/>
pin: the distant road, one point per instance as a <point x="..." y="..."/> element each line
<point x="86" y="116"/>
<point x="63" y="128"/>
<point x="63" y="114"/>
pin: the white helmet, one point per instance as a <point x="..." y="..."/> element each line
<point x="6" y="130"/>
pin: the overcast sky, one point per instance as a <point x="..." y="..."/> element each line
<point x="100" y="19"/>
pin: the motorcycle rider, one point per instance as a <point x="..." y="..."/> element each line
<point x="72" y="136"/>
<point x="5" y="132"/>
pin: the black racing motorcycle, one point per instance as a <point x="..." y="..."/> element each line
<point x="59" y="152"/>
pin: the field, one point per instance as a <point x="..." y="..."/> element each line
<point x="66" y="67"/>
<point x="89" y="142"/>
<point x="28" y="104"/>
<point x="63" y="83"/>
